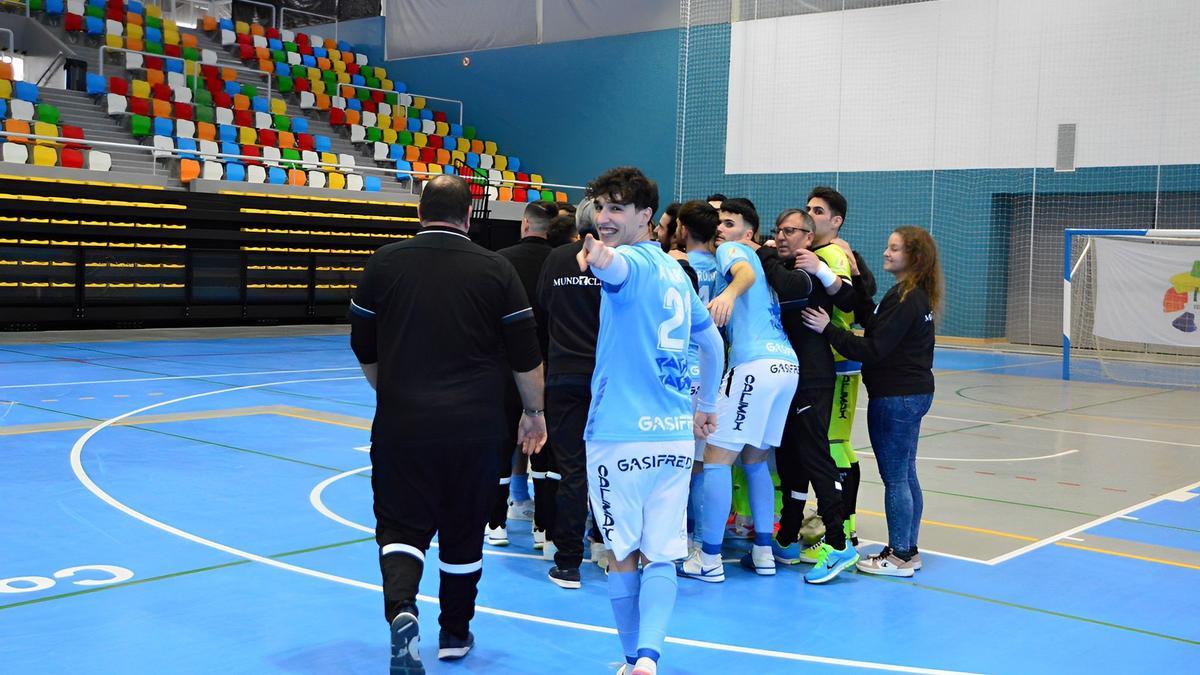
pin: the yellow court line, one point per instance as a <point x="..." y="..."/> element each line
<point x="1129" y="555"/>
<point x="322" y="420"/>
<point x="967" y="528"/>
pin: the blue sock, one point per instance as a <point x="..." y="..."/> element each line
<point x="762" y="502"/>
<point x="695" y="499"/>
<point x="623" y="594"/>
<point x="656" y="604"/>
<point x="519" y="488"/>
<point x="718" y="497"/>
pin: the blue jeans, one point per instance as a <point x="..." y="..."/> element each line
<point x="894" y="423"/>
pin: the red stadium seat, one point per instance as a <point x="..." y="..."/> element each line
<point x="153" y="62"/>
<point x="305" y="141"/>
<point x="245" y="53"/>
<point x="337" y="117"/>
<point x="69" y="131"/>
<point x="428" y="155"/>
<point x="243" y="118"/>
<point x="222" y="100"/>
<point x="438" y="116"/>
<point x="268" y="138"/>
<point x="435" y="142"/>
<point x="183" y="111"/>
<point x="162" y="92"/>
<point x="139" y="106"/>
<point x="71" y="158"/>
<point x="118" y="86"/>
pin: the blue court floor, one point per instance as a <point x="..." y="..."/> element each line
<point x="202" y="506"/>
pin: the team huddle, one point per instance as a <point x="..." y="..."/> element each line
<point x="713" y="356"/>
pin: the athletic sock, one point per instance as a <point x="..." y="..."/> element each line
<point x="718" y="493"/>
<point x="695" y="499"/>
<point x="762" y="502"/>
<point x="623" y="593"/>
<point x="519" y="488"/>
<point x="655" y="605"/>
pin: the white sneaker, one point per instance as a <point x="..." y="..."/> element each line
<point x="696" y="567"/>
<point x="600" y="556"/>
<point x="539" y="539"/>
<point x="495" y="536"/>
<point x="549" y="550"/>
<point x="522" y="510"/>
<point x="760" y="560"/>
<point x="644" y="666"/>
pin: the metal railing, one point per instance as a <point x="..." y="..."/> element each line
<point x="49" y="71"/>
<point x="195" y="73"/>
<point x="12" y="41"/>
<point x="160" y="153"/>
<point x="405" y="93"/>
<point x="331" y="19"/>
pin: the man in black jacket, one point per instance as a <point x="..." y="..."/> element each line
<point x="527" y="257"/>
<point x="801" y="279"/>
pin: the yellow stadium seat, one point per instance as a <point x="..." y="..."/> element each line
<point x="318" y="87"/>
<point x="390" y="136"/>
<point x="343" y="78"/>
<point x="336" y="181"/>
<point x="385" y="83"/>
<point x="500" y="162"/>
<point x="247" y="136"/>
<point x="339" y="66"/>
<point x="418" y="102"/>
<point x="154" y="11"/>
<point x="314" y="74"/>
<point x="383" y="121"/>
<point x="6" y="89"/>
<point x="458" y="157"/>
<point x="171" y="37"/>
<point x="509" y="176"/>
<point x="139" y="89"/>
<point x="134" y="32"/>
<point x="329" y="158"/>
<point x="114" y="41"/>
<point x="380" y="73"/>
<point x="420" y="140"/>
<point x="241" y="27"/>
<point x="442" y="129"/>
<point x="44" y="155"/>
<point x="170" y="24"/>
<point x="489" y="147"/>
<point x="44" y="129"/>
<point x="536" y="179"/>
<point x="278" y="106"/>
<point x="464" y="145"/>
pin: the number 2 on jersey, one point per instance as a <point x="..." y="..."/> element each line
<point x="674" y="302"/>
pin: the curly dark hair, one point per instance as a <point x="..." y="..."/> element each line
<point x="626" y="185"/>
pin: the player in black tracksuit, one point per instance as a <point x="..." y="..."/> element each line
<point x="803" y="456"/>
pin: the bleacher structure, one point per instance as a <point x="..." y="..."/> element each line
<point x="272" y="162"/>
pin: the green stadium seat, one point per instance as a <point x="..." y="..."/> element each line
<point x="282" y="122"/>
<point x="191" y="53"/>
<point x="249" y="90"/>
<point x="285" y="84"/>
<point x="139" y="126"/>
<point x="374" y="134"/>
<point x="47" y="113"/>
<point x="203" y="96"/>
<point x="469" y="133"/>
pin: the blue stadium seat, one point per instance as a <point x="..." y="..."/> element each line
<point x="135" y="7"/>
<point x="473" y="160"/>
<point x="235" y="172"/>
<point x="185" y="144"/>
<point x="25" y="91"/>
<point x="96" y="85"/>
<point x="276" y="176"/>
<point x="308" y="61"/>
<point x="275" y="44"/>
<point x="396" y="152"/>
<point x="414" y="124"/>
<point x="322" y="143"/>
<point x="260" y="104"/>
<point x="225" y="24"/>
<point x="403" y="166"/>
<point x="372" y="184"/>
<point x="299" y="125"/>
<point x="163" y="127"/>
<point x="54" y="8"/>
<point x="320" y="52"/>
<point x="514" y="164"/>
<point x="154" y="35"/>
<point x="400" y="87"/>
<point x="233" y="88"/>
<point x="227" y="133"/>
<point x="358" y="80"/>
<point x="93" y="25"/>
<point x="426" y="114"/>
<point x="3" y="109"/>
<point x="282" y="69"/>
<point x="230" y="149"/>
<point x="353" y="104"/>
<point x="173" y="66"/>
<point x="456" y="130"/>
<point x="344" y="46"/>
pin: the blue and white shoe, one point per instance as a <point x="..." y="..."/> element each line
<point x="831" y="563"/>
<point x="694" y="568"/>
<point x="760" y="560"/>
<point x="786" y="555"/>
<point x="451" y="648"/>
<point x="406" y="640"/>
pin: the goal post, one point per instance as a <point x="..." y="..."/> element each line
<point x="1078" y="312"/>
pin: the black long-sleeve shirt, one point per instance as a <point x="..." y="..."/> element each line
<point x="896" y="349"/>
<point x="527" y="257"/>
<point x="798" y="289"/>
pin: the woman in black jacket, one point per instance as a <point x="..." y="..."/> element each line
<point x="896" y="351"/>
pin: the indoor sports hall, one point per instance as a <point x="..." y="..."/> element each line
<point x="190" y="190"/>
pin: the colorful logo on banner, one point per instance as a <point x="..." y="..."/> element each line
<point x="1183" y="299"/>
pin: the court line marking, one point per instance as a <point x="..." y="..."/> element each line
<point x="1000" y="423"/>
<point x="175" y="377"/>
<point x="986" y="459"/>
<point x="1053" y="539"/>
<point x="958" y="371"/>
<point x="315" y="497"/>
<point x="82" y="476"/>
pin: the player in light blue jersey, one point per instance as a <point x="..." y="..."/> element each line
<point x="641" y="423"/>
<point x="755" y="397"/>
<point x="697" y="223"/>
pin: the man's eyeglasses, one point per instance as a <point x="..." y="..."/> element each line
<point x="789" y="231"/>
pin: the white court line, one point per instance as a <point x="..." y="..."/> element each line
<point x="87" y="482"/>
<point x="173" y="377"/>
<point x="987" y="459"/>
<point x="956" y="371"/>
<point x="315" y="498"/>
<point x="924" y="550"/>
<point x="1123" y="513"/>
<point x="1060" y="431"/>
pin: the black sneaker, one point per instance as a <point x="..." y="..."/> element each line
<point x="564" y="578"/>
<point x="406" y="639"/>
<point x="451" y="648"/>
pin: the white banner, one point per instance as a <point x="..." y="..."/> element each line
<point x="1147" y="292"/>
